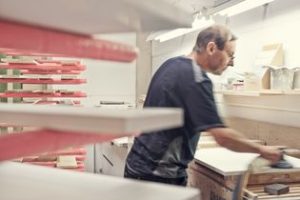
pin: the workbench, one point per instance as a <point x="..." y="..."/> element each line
<point x="216" y="172"/>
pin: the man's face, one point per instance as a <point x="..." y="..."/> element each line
<point x="219" y="60"/>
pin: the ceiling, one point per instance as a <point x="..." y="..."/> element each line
<point x="194" y="6"/>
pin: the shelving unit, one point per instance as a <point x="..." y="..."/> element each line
<point x="68" y="34"/>
<point x="45" y="66"/>
<point x="42" y="93"/>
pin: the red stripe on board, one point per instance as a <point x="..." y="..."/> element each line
<point x="41" y="94"/>
<point x="17" y="145"/>
<point x="42" y="81"/>
<point x="31" y="40"/>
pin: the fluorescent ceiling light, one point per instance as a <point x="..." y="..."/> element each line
<point x="242" y="7"/>
<point x="197" y="25"/>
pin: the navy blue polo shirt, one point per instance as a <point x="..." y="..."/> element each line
<point x="178" y="83"/>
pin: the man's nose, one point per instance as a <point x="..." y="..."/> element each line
<point x="231" y="63"/>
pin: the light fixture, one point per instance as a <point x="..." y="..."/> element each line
<point x="242" y="7"/>
<point x="198" y="23"/>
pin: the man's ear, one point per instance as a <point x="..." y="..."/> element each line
<point x="210" y="48"/>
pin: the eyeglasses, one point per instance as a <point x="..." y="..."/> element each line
<point x="230" y="55"/>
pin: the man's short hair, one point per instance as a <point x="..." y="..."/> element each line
<point x="217" y="33"/>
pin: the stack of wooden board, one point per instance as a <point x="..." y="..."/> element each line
<point x="216" y="171"/>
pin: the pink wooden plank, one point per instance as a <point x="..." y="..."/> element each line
<point x="17" y="145"/>
<point x="42" y="94"/>
<point x="44" y="66"/>
<point x="31" y="40"/>
<point x="42" y="81"/>
<point x="46" y="157"/>
<point x="73" y="151"/>
<point x="49" y="71"/>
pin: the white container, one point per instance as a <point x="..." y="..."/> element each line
<point x="297" y="79"/>
<point x="282" y="78"/>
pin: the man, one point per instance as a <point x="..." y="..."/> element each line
<point x="182" y="82"/>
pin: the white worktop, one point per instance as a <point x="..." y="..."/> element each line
<point x="227" y="163"/>
<point x="24" y="182"/>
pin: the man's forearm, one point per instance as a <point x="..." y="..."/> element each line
<point x="233" y="140"/>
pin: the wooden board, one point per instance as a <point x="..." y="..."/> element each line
<point x="217" y="186"/>
<point x="53" y="43"/>
<point x="211" y="189"/>
<point x="97" y="120"/>
<point x="26" y="182"/>
<point x="293" y="194"/>
<point x="229" y="163"/>
<point x="28" y="143"/>
<point x="97" y="16"/>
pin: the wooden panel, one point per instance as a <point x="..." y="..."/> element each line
<point x="283" y="176"/>
<point x="228" y="182"/>
<point x="272" y="134"/>
<point x="247" y="127"/>
<point x="210" y="189"/>
<point x="293" y="194"/>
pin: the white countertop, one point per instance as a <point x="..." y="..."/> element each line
<point x="229" y="163"/>
<point x="26" y="182"/>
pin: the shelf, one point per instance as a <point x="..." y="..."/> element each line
<point x="259" y="93"/>
<point x="97" y="16"/>
<point x="42" y="81"/>
<point x="42" y="67"/>
<point x="293" y="92"/>
<point x="20" y="39"/>
<point x="47" y="72"/>
<point x="41" y="94"/>
<point x="21" y="181"/>
<point x="91" y="119"/>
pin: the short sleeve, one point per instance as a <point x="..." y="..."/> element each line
<point x="200" y="107"/>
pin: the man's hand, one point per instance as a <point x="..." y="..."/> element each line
<point x="272" y="154"/>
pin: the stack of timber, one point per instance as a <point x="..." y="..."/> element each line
<point x="217" y="171"/>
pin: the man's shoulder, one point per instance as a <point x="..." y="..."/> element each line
<point x="179" y="59"/>
<point x="176" y="64"/>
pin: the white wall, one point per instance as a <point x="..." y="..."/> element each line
<point x="161" y="51"/>
<point x="281" y="24"/>
<point x="254" y="29"/>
